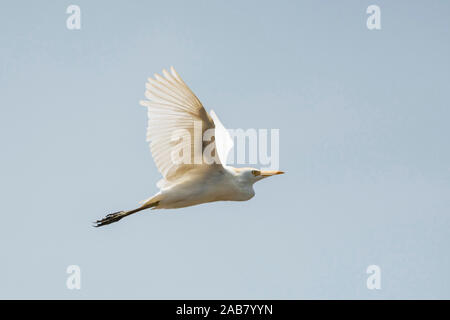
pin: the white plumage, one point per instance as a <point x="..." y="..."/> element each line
<point x="175" y="119"/>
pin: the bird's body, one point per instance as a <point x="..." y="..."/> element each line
<point x="204" y="185"/>
<point x="176" y="115"/>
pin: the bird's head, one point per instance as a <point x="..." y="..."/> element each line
<point x="253" y="175"/>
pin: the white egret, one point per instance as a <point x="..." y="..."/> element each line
<point x="173" y="108"/>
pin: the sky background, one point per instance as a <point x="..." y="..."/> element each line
<point x="364" y="139"/>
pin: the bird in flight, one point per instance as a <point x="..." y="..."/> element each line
<point x="175" y="116"/>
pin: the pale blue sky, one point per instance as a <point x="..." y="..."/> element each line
<point x="363" y="118"/>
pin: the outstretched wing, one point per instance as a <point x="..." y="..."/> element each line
<point x="173" y="109"/>
<point x="224" y="142"/>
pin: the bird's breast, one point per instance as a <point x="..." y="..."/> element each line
<point x="201" y="188"/>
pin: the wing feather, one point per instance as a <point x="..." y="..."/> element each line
<point x="172" y="107"/>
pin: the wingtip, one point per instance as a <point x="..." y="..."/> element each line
<point x="175" y="74"/>
<point x="143" y="103"/>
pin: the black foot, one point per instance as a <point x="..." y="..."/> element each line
<point x="110" y="218"/>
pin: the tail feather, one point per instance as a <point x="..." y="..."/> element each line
<point x="116" y="216"/>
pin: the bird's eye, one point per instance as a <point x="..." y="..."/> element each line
<point x="256" y="172"/>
